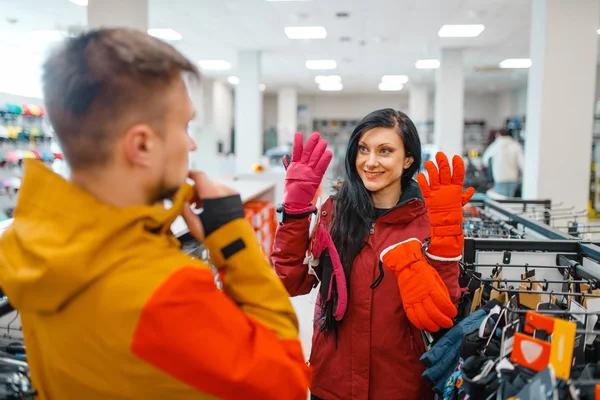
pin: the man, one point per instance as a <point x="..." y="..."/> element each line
<point x="110" y="306"/>
<point x="507" y="161"/>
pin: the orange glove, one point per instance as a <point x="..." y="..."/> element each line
<point x="424" y="295"/>
<point x="445" y="199"/>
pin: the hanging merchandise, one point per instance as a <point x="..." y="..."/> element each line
<point x="527" y="322"/>
<point x="24" y="134"/>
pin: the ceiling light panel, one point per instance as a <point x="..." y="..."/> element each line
<point x="331" y="86"/>
<point x="320" y="79"/>
<point x="460" y="31"/>
<point x="306" y="32"/>
<point x="390" y="87"/>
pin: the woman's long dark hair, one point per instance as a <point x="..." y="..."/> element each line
<point x="354" y="211"/>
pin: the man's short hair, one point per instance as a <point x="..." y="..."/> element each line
<point x="96" y="81"/>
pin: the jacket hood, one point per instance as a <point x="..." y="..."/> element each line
<point x="62" y="239"/>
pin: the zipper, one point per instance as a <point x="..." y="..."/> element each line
<point x="372" y="230"/>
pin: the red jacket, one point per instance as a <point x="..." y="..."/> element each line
<point x="377" y="353"/>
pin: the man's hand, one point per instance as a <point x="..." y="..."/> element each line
<point x="205" y="190"/>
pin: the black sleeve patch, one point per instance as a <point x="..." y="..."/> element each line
<point x="231" y="249"/>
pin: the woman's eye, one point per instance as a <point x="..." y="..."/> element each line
<point x="385" y="151"/>
<point x="363" y="149"/>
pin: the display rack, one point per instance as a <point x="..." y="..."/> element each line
<point x="24" y="133"/>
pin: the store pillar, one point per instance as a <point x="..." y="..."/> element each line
<point x="560" y="102"/>
<point x="118" y="13"/>
<point x="418" y="106"/>
<point x="248" y="112"/>
<point x="287" y="115"/>
<point x="449" y="103"/>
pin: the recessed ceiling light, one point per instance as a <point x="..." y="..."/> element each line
<point x="427" y="64"/>
<point x="48" y="35"/>
<point x="390" y="86"/>
<point x="234" y="80"/>
<point x="461" y="30"/>
<point x="321" y="64"/>
<point x="515" y="63"/>
<point x="165" y="34"/>
<point x="306" y="32"/>
<point x="262" y="87"/>
<point x="401" y="79"/>
<point x="215" y="65"/>
<point x="81" y="3"/>
<point x="598" y="31"/>
<point x="320" y="79"/>
<point x="331" y="86"/>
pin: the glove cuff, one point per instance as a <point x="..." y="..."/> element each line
<point x="446" y="248"/>
<point x="295" y="210"/>
<point x="402" y="254"/>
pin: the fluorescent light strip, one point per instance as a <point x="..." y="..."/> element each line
<point x="515" y="63"/>
<point x="427" y="64"/>
<point x="461" y="31"/>
<point x="399" y="79"/>
<point x="390" y="87"/>
<point x="306" y="32"/>
<point x="320" y="79"/>
<point x="215" y="65"/>
<point x="321" y="64"/>
<point x="331" y="86"/>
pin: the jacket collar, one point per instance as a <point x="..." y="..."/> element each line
<point x="410" y="206"/>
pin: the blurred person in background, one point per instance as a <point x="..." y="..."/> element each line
<point x="380" y="285"/>
<point x="111" y="307"/>
<point x="507" y="159"/>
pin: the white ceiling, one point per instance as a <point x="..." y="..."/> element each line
<point x="387" y="36"/>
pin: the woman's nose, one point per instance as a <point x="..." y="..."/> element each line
<point x="372" y="161"/>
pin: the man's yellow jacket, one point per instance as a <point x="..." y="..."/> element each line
<point x="112" y="309"/>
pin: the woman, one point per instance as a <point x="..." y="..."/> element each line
<point x="385" y="286"/>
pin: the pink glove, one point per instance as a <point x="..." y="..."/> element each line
<point x="305" y="173"/>
<point x="324" y="242"/>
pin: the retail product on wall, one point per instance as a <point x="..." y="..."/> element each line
<point x="474" y="134"/>
<point x="24" y="134"/>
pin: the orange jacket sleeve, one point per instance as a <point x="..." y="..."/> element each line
<point x="241" y="343"/>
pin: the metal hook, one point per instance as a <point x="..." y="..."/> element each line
<point x="530" y="284"/>
<point x="545" y="285"/>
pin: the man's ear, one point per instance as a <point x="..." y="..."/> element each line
<point x="408" y="162"/>
<point x="139" y="143"/>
